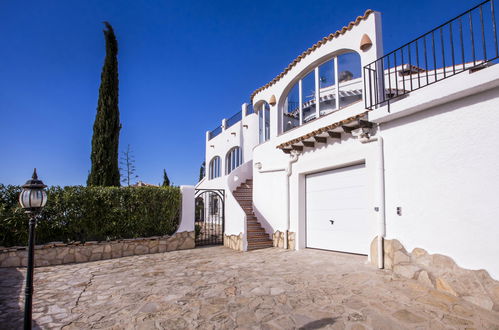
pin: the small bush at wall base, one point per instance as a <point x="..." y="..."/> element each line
<point x="77" y="213"/>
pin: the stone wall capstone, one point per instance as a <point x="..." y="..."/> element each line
<point x="58" y="253"/>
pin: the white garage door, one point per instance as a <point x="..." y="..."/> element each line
<point x="337" y="210"/>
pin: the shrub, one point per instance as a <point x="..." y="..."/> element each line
<point x="77" y="213"/>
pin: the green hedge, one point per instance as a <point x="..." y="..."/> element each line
<point x="77" y="213"/>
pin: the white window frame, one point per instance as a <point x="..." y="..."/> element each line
<point x="233" y="159"/>
<point x="316" y="72"/>
<point x="264" y="123"/>
<point x="214" y="168"/>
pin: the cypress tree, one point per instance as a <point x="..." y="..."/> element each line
<point x="105" y="139"/>
<point x="202" y="171"/>
<point x="166" y="181"/>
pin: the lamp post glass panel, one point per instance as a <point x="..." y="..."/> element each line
<point x="32" y="199"/>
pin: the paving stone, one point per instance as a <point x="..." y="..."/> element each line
<point x="407" y="317"/>
<point x="215" y="287"/>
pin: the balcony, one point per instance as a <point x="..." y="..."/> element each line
<point x="467" y="42"/>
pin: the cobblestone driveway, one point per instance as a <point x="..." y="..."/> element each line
<point x="219" y="288"/>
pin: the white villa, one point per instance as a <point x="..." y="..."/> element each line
<point x="348" y="148"/>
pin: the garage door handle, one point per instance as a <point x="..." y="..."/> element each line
<point x="332" y="222"/>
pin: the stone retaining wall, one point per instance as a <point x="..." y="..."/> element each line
<point x="58" y="253"/>
<point x="439" y="272"/>
<point x="278" y="239"/>
<point x="234" y="242"/>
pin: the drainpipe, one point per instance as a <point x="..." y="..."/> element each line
<point x="288" y="169"/>
<point x="381" y="194"/>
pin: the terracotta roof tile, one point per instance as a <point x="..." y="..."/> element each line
<point x="314" y="47"/>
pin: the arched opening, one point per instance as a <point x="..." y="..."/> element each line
<point x="233" y="159"/>
<point x="327" y="87"/>
<point x="214" y="169"/>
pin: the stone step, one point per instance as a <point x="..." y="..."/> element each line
<point x="244" y="198"/>
<point x="259" y="239"/>
<point x="244" y="188"/>
<point x="243" y="194"/>
<point x="262" y="243"/>
<point x="254" y="237"/>
<point x="245" y="202"/>
<point x="252" y="247"/>
<point x="256" y="231"/>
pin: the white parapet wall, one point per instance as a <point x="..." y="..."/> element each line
<point x="442" y="171"/>
<point x="187" y="215"/>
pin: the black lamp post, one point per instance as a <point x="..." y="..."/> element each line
<point x="32" y="199"/>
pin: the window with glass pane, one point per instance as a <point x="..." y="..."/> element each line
<point x="308" y="95"/>
<point x="214" y="170"/>
<point x="349" y="78"/>
<point x="291" y="115"/>
<point x="260" y="126"/>
<point x="233" y="159"/>
<point x="264" y="122"/>
<point x="327" y="89"/>
<point x="267" y="122"/>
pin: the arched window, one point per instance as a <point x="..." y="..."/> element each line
<point x="233" y="159"/>
<point x="214" y="170"/>
<point x="333" y="84"/>
<point x="264" y="122"/>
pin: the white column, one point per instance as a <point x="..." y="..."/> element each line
<point x="244" y="110"/>
<point x="300" y="101"/>
<point x="187" y="215"/>
<point x="317" y="93"/>
<point x="337" y="83"/>
<point x="224" y="124"/>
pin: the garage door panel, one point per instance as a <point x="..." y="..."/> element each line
<point x="341" y="196"/>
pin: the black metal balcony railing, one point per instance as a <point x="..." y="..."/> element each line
<point x="468" y="41"/>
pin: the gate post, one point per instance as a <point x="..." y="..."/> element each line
<point x="187" y="215"/>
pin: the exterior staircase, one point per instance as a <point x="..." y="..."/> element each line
<point x="257" y="237"/>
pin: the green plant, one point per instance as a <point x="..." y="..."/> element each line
<point x="106" y="134"/>
<point x="166" y="180"/>
<point x="198" y="230"/>
<point x="77" y="213"/>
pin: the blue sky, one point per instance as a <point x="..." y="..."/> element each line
<point x="183" y="65"/>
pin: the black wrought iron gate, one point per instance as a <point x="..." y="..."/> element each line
<point x="209" y="216"/>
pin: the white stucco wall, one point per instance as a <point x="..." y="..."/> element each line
<point x="187" y="212"/>
<point x="350" y="41"/>
<point x="442" y="169"/>
<point x="243" y="134"/>
<point x="440" y="155"/>
<point x="269" y="189"/>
